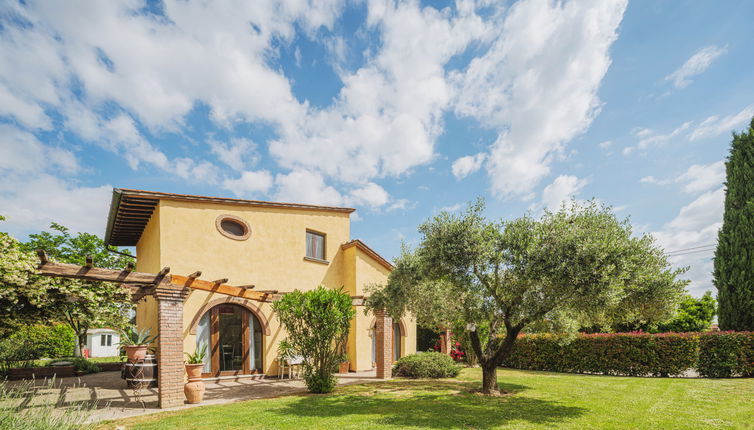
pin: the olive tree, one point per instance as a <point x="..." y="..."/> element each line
<point x="317" y="322"/>
<point x="575" y="266"/>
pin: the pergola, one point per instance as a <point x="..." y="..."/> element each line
<point x="170" y="291"/>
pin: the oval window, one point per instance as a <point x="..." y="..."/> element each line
<point x="233" y="227"/>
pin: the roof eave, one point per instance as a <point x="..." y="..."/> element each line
<point x="114" y="205"/>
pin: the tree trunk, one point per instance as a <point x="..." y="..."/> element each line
<point x="489" y="377"/>
<point x="80" y="344"/>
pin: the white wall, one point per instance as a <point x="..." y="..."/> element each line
<point x="95" y="347"/>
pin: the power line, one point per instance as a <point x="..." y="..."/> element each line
<point x="693" y="247"/>
<point x="691" y="252"/>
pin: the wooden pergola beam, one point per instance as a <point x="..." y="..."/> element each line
<point x="74" y="271"/>
<point x="143" y="284"/>
<point x="220" y="288"/>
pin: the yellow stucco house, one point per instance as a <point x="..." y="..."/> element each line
<point x="265" y="246"/>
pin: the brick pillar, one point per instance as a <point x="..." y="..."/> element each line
<point x="170" y="370"/>
<point x="383" y="330"/>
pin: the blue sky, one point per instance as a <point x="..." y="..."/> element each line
<point x="398" y="109"/>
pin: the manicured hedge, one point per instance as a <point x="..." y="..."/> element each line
<point x="637" y="354"/>
<point x="726" y="354"/>
<point x="426" y="365"/>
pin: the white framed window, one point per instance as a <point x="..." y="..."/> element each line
<point x="315" y="245"/>
<point x="106" y="340"/>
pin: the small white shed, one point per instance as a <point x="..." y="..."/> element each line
<point x="102" y="342"/>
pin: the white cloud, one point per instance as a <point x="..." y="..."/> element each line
<point x="695" y="226"/>
<point x="467" y="165"/>
<point x="563" y="188"/>
<point x="715" y="126"/>
<point x="302" y="186"/>
<point x="538" y="85"/>
<point x="451" y="208"/>
<point x="22" y="151"/>
<point x="697" y="178"/>
<point x="697" y="64"/>
<point x="238" y="153"/>
<point x="250" y="183"/>
<point x="401" y="205"/>
<point x="389" y="112"/>
<point x="649" y="137"/>
<point x="652" y="180"/>
<point x="371" y="195"/>
<point x="32" y="203"/>
<point x="606" y="144"/>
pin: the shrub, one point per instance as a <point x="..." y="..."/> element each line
<point x="426" y="365"/>
<point x="17" y="353"/>
<point x="726" y="354"/>
<point x="85" y="366"/>
<point x="50" y="342"/>
<point x="317" y="322"/>
<point x="319" y="382"/>
<point x="632" y="354"/>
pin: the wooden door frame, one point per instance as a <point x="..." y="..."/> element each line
<point x="215" y="344"/>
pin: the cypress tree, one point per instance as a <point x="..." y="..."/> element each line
<point x="734" y="256"/>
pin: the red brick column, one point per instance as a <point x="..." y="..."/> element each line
<point x="383" y="330"/>
<point x="170" y="371"/>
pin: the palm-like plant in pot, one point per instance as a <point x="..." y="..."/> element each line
<point x="194" y="389"/>
<point x="195" y="362"/>
<point x="136" y="342"/>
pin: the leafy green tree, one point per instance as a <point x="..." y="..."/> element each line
<point x="577" y="266"/>
<point x="80" y="304"/>
<point x="317" y="322"/>
<point x="693" y="315"/>
<point x="22" y="294"/>
<point x="734" y="257"/>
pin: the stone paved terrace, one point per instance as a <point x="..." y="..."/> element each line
<point x="114" y="400"/>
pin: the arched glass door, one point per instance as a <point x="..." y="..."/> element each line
<point x="233" y="337"/>
<point x="396" y="341"/>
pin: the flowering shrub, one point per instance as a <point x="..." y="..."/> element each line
<point x="632" y="354"/>
<point x="713" y="355"/>
<point x="455" y="347"/>
<point x="726" y="354"/>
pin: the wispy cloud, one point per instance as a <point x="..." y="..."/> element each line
<point x="715" y="126"/>
<point x="697" y="64"/>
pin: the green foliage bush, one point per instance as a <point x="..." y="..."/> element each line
<point x="632" y="354"/>
<point x="54" y="341"/>
<point x="726" y="354"/>
<point x="17" y="353"/>
<point x="317" y="322"/>
<point x="426" y="365"/>
<point x="319" y="382"/>
<point x="85" y="366"/>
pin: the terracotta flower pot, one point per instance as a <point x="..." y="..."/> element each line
<point x="344" y="367"/>
<point x="194" y="388"/>
<point x="194" y="371"/>
<point x="136" y="352"/>
<point x="194" y="391"/>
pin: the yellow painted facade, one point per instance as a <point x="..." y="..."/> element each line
<point x="183" y="235"/>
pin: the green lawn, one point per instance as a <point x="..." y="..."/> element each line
<point x="537" y="400"/>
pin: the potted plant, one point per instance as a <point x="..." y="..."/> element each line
<point x="344" y="365"/>
<point x="136" y="342"/>
<point x="194" y="388"/>
<point x="195" y="362"/>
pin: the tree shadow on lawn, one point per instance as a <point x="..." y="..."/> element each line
<point x="436" y="404"/>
